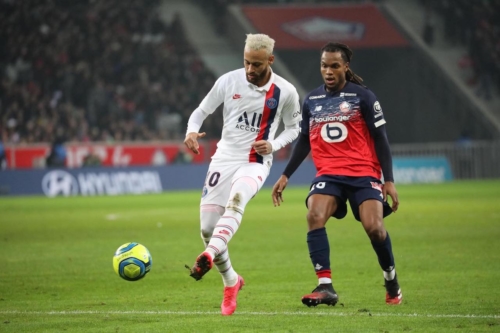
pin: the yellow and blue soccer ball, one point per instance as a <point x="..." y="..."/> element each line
<point x="132" y="261"/>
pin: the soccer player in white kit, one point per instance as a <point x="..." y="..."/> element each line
<point x="255" y="101"/>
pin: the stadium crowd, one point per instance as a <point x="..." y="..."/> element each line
<point x="86" y="70"/>
<point x="476" y="26"/>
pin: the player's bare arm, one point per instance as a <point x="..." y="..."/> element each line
<point x="278" y="189"/>
<point x="389" y="189"/>
<point x="262" y="147"/>
<point x="191" y="141"/>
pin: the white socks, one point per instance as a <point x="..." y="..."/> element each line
<point x="389" y="276"/>
<point x="217" y="231"/>
<point x="209" y="216"/>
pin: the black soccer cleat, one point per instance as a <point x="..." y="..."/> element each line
<point x="393" y="295"/>
<point x="201" y="266"/>
<point x="322" y="294"/>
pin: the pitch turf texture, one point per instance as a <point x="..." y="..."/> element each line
<point x="56" y="271"/>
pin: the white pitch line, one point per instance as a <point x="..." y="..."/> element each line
<point x="250" y="313"/>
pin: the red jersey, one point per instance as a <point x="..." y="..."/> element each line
<point x="339" y="126"/>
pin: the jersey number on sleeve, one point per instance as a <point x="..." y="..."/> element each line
<point x="334" y="132"/>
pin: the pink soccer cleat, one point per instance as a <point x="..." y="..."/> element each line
<point x="228" y="305"/>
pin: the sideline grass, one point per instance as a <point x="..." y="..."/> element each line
<point x="57" y="274"/>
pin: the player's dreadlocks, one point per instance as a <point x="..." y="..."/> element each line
<point x="346" y="54"/>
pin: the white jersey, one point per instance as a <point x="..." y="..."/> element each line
<point x="251" y="114"/>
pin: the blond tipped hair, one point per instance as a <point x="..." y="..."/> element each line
<point x="260" y="42"/>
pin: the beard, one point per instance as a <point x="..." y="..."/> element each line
<point x="258" y="78"/>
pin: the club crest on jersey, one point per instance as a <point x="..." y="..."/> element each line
<point x="204" y="191"/>
<point x="377" y="107"/>
<point x="271" y="103"/>
<point x="345" y="106"/>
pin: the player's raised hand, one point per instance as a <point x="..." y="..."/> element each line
<point x="191" y="141"/>
<point x="278" y="189"/>
<point x="389" y="189"/>
<point x="262" y="147"/>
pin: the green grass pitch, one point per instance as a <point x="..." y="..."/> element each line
<point x="56" y="271"/>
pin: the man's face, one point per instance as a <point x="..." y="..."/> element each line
<point x="333" y="69"/>
<point x="257" y="66"/>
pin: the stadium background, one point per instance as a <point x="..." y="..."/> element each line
<point x="98" y="87"/>
<point x="108" y="86"/>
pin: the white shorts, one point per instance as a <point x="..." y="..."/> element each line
<point x="220" y="179"/>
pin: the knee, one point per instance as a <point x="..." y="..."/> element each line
<point x="376" y="233"/>
<point x="206" y="232"/>
<point x="316" y="219"/>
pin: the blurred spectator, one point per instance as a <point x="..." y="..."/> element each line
<point x="91" y="160"/>
<point x="101" y="70"/>
<point x="57" y="155"/>
<point x="184" y="156"/>
<point x="475" y="25"/>
<point x="3" y="157"/>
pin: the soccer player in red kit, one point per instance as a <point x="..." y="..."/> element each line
<point x="344" y="128"/>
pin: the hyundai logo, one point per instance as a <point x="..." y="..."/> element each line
<point x="59" y="182"/>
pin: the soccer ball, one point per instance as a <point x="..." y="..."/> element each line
<point x="132" y="261"/>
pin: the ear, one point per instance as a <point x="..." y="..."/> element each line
<point x="346" y="67"/>
<point x="271" y="59"/>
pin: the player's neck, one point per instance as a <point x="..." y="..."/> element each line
<point x="339" y="88"/>
<point x="265" y="80"/>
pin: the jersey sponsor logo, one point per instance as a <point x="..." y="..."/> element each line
<point x="331" y="118"/>
<point x="316" y="97"/>
<point x="377" y="107"/>
<point x="296" y="113"/>
<point x="334" y="132"/>
<point x="204" y="192"/>
<point x="249" y="124"/>
<point x="236" y="96"/>
<point x="271" y="103"/>
<point x="342" y="94"/>
<point x="345" y="106"/>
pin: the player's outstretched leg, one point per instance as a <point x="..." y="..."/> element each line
<point x="393" y="295"/>
<point x="322" y="294"/>
<point x="201" y="266"/>
<point x="228" y="305"/>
